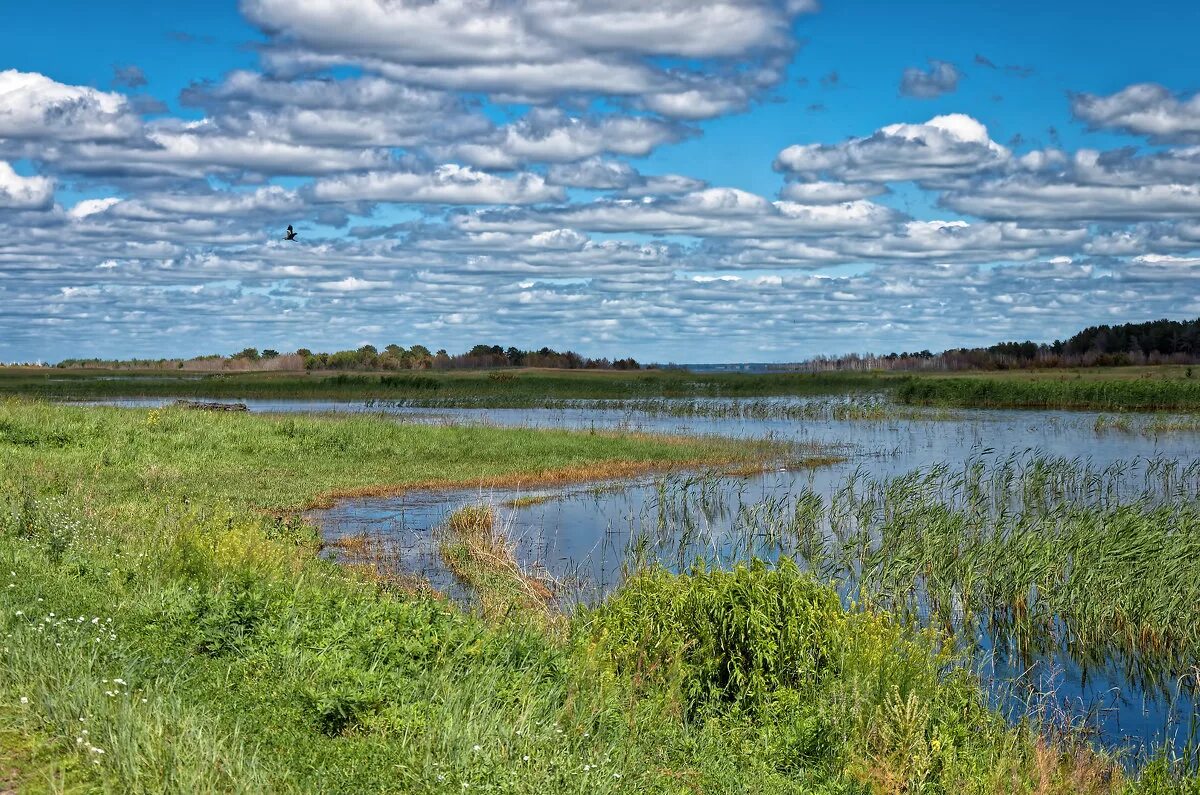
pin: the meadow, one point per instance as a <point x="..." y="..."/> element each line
<point x="171" y="626"/>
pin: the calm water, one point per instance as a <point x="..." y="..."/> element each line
<point x="583" y="535"/>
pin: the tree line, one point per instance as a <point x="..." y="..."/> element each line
<point x="1153" y="342"/>
<point x="370" y="358"/>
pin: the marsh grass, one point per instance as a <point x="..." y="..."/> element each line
<point x="1152" y="425"/>
<point x="1100" y="394"/>
<point x="530" y="500"/>
<point x="1052" y="554"/>
<point x="515" y="388"/>
<point x="483" y="556"/>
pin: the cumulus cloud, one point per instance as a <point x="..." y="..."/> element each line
<point x="32" y="106"/>
<point x="940" y="150"/>
<point x="449" y="184"/>
<point x="711" y="212"/>
<point x="1145" y="109"/>
<point x="544" y="48"/>
<point x="24" y="193"/>
<point x="357" y="111"/>
<point x="551" y="136"/>
<point x="1029" y="198"/>
<point x="940" y="78"/>
<point x="461" y="144"/>
<point x="830" y="192"/>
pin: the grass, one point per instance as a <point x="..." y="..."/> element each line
<point x="1043" y="553"/>
<point x="849" y="407"/>
<point x="672" y="392"/>
<point x="520" y="388"/>
<point x="482" y="556"/>
<point x="1096" y="393"/>
<point x="1153" y="425"/>
<point x="170" y="627"/>
<point x="276" y="463"/>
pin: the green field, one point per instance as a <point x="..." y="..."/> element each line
<point x="170" y="628"/>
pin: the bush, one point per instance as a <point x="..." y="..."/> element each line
<point x="721" y="637"/>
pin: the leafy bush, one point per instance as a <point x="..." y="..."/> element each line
<point x="721" y="637"/>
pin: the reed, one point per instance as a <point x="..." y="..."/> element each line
<point x="1143" y="394"/>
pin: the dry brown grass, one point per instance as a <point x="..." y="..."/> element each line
<point x="482" y="556"/>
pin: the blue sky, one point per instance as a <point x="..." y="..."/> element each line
<point x="688" y="180"/>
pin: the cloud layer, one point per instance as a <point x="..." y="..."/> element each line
<point x="483" y="170"/>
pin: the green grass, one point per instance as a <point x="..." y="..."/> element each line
<point x="277" y="462"/>
<point x="1103" y="394"/>
<point x="1047" y="554"/>
<point x="165" y="633"/>
<point x="518" y="388"/>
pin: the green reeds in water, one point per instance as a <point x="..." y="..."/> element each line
<point x="1102" y="394"/>
<point x="1050" y="553"/>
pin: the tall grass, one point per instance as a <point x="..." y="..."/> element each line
<point x="1050" y="552"/>
<point x="517" y="388"/>
<point x="1158" y="394"/>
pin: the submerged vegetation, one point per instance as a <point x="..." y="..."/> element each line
<point x="1147" y="425"/>
<point x="171" y="628"/>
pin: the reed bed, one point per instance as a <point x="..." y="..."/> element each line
<point x="1050" y="552"/>
<point x="1154" y="425"/>
<point x="1142" y="394"/>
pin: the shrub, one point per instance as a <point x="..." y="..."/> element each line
<point x="721" y="637"/>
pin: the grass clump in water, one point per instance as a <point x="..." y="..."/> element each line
<point x="483" y="557"/>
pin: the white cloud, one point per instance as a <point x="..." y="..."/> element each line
<point x="92" y="206"/>
<point x="940" y="150"/>
<point x="1145" y="109"/>
<point x="554" y="137"/>
<point x="33" y="106"/>
<point x="24" y="193"/>
<point x="449" y="184"/>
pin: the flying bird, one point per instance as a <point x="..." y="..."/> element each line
<point x="290" y="234"/>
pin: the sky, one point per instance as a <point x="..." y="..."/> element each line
<point x="680" y="181"/>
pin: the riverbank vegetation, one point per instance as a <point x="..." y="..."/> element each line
<point x="170" y="627"/>
<point x="515" y="388"/>
<point x="1163" y="393"/>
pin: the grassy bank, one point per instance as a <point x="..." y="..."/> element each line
<point x="1101" y="394"/>
<point x="516" y="388"/>
<point x="170" y="628"/>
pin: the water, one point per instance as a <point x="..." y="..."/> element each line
<point x="583" y="536"/>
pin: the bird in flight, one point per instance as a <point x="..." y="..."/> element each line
<point x="290" y="234"/>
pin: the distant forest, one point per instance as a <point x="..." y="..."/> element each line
<point x="368" y="358"/>
<point x="1156" y="342"/>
